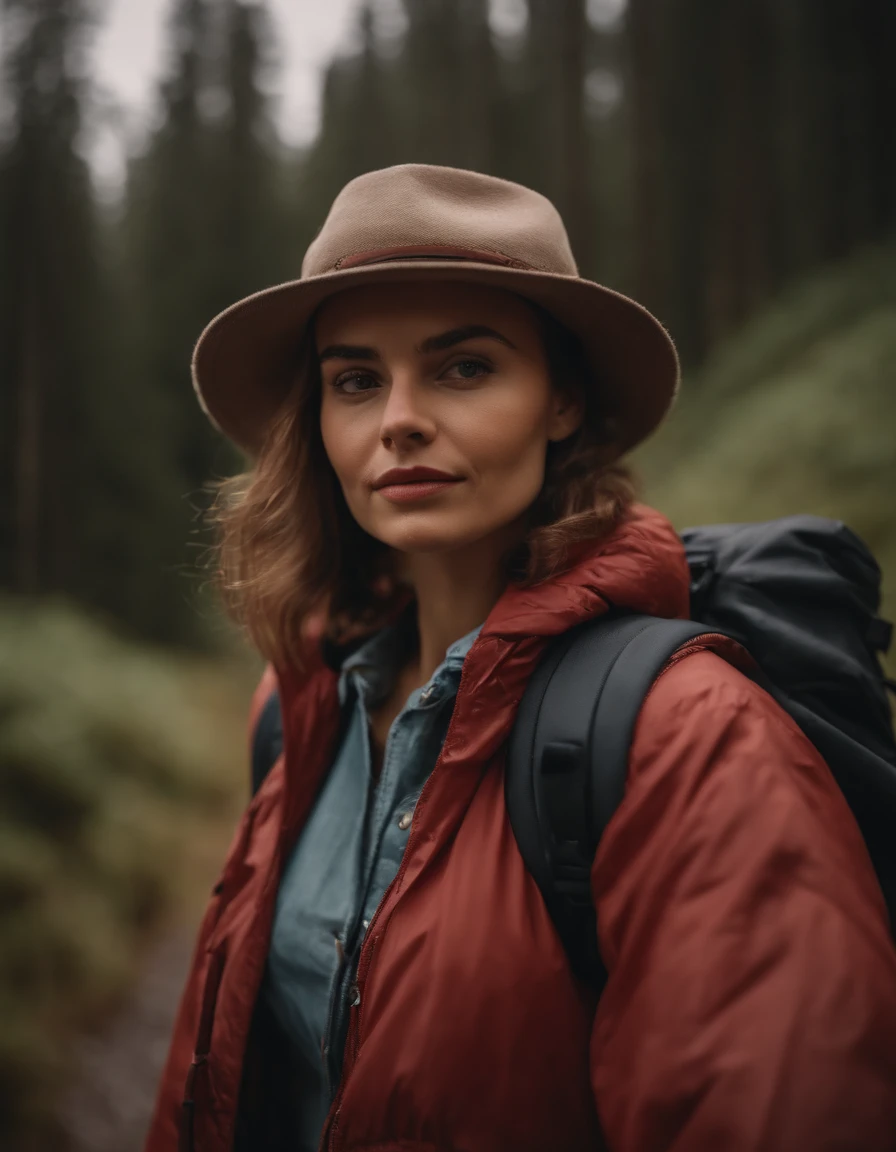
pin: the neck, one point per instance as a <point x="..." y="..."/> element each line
<point x="454" y="594"/>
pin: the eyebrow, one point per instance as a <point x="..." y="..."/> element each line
<point x="438" y="343"/>
<point x="347" y="352"/>
<point x="459" y="335"/>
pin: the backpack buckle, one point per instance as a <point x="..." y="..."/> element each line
<point x="572" y="882"/>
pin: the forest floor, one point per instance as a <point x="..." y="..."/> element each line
<point x="116" y="1065"/>
<point x="108" y="1106"/>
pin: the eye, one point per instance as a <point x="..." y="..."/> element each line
<point x="469" y="369"/>
<point x="354" y="383"/>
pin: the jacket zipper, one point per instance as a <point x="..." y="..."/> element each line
<point x="200" y="1051"/>
<point x="365" y="959"/>
<point x="347" y="949"/>
<point x="329" y="1070"/>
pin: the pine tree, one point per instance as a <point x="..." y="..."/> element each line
<point x="165" y="248"/>
<point x="449" y="74"/>
<point x="169" y="199"/>
<point x="556" y="135"/>
<point x="245" y="161"/>
<point x="202" y="229"/>
<point x="761" y="150"/>
<point x="362" y="123"/>
<point x="438" y="101"/>
<point x="55" y="346"/>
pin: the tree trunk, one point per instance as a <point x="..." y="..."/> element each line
<point x="572" y="133"/>
<point x="28" y="444"/>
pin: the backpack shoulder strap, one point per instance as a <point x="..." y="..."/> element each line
<point x="267" y="740"/>
<point x="568" y="759"/>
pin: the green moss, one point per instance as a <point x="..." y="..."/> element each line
<point x="797" y="414"/>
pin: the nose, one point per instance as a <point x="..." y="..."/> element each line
<point x="406" y="419"/>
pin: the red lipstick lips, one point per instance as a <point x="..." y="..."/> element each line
<point x="400" y="485"/>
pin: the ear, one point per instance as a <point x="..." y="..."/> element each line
<point x="567" y="414"/>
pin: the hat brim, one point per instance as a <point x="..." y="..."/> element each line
<point x="244" y="361"/>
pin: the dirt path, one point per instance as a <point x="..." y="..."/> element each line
<point x="117" y="1067"/>
<point x="109" y="1106"/>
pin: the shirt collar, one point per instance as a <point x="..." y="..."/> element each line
<point x="379" y="659"/>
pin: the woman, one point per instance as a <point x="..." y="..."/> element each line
<point x="437" y="409"/>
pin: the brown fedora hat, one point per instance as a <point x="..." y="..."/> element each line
<point x="423" y="222"/>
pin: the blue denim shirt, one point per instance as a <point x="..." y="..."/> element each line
<point x="346" y="857"/>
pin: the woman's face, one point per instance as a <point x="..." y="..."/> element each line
<point x="449" y="377"/>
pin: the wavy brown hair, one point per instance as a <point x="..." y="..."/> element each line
<point x="290" y="551"/>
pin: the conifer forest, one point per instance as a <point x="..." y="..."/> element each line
<point x="729" y="164"/>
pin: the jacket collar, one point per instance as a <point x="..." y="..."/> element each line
<point x="641" y="566"/>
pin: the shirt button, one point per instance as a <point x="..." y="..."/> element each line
<point x="354" y="996"/>
<point x="404" y="820"/>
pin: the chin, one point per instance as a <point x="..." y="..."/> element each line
<point x="423" y="538"/>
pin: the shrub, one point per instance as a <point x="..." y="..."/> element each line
<point x="796" y="414"/>
<point x="111" y="758"/>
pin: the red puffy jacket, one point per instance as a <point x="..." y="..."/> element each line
<point x="751" y="1001"/>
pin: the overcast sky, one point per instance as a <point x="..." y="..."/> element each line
<point x="129" y="57"/>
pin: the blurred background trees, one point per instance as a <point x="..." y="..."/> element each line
<point x="730" y="164"/>
<point x="704" y="156"/>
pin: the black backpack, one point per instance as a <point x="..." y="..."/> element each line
<point x="801" y="595"/>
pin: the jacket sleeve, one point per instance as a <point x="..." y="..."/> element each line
<point x="751" y="1000"/>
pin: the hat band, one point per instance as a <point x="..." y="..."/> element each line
<point x="430" y="252"/>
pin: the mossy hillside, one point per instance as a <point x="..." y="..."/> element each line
<point x="121" y="770"/>
<point x="796" y="414"/>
